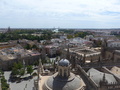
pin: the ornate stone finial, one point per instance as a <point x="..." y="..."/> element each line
<point x="89" y="74"/>
<point x="91" y="60"/>
<point x="99" y="59"/>
<point x="104" y="80"/>
<point x="84" y="58"/>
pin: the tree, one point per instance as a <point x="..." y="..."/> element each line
<point x="36" y="63"/>
<point x="15" y="71"/>
<point x="1" y="72"/>
<point x="19" y="65"/>
<point x="34" y="46"/>
<point x="28" y="46"/>
<point x="15" y="65"/>
<point x="29" y="69"/>
<point x="4" y="85"/>
<point x="69" y="36"/>
<point x="22" y="72"/>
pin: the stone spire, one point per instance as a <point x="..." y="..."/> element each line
<point x="89" y="74"/>
<point x="99" y="59"/>
<point x="84" y="58"/>
<point x="68" y="53"/>
<point x="104" y="79"/>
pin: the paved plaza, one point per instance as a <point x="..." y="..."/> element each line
<point x="23" y="85"/>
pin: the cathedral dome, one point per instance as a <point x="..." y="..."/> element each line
<point x="63" y="62"/>
<point x="57" y="83"/>
<point x="63" y="79"/>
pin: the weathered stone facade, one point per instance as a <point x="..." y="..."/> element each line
<point x="29" y="60"/>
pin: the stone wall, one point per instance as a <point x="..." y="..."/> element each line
<point x="117" y="58"/>
<point x="108" y="55"/>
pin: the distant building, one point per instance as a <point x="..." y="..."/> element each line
<point x="17" y="54"/>
<point x="82" y="55"/>
<point x="52" y="50"/>
<point x="76" y="42"/>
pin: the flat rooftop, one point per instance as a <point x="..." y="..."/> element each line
<point x="84" y="50"/>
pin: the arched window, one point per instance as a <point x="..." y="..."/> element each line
<point x="65" y="73"/>
<point x="60" y="72"/>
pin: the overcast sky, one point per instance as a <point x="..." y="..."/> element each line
<point x="60" y="13"/>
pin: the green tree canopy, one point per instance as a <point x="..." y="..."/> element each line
<point x="29" y="69"/>
<point x="4" y="85"/>
<point x="22" y="72"/>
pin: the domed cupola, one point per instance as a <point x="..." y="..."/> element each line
<point x="64" y="62"/>
<point x="64" y="68"/>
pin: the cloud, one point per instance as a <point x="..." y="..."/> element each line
<point x="102" y="11"/>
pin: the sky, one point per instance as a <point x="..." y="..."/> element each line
<point x="60" y="13"/>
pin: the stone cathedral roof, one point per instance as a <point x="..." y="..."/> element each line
<point x="97" y="76"/>
<point x="57" y="83"/>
